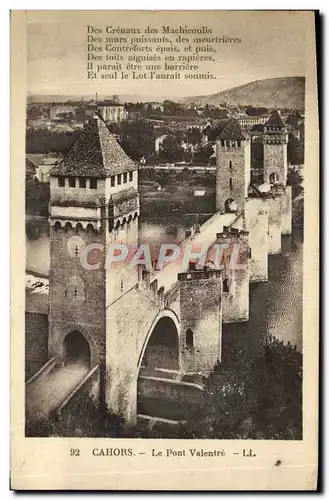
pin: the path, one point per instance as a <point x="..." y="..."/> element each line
<point x="46" y="394"/>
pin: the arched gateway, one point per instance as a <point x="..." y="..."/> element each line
<point x="76" y="349"/>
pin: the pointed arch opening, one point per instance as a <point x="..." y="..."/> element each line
<point x="274" y="178"/>
<point x="230" y="206"/>
<point x="76" y="349"/>
<point x="162" y="349"/>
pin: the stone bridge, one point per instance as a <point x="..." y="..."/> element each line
<point x="171" y="320"/>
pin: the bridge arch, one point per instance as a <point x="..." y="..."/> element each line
<point x="165" y="328"/>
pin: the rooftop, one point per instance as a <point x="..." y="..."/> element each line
<point x="274" y="120"/>
<point x="95" y="154"/>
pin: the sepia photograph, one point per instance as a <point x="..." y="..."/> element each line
<point x="164" y="174"/>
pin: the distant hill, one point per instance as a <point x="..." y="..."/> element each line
<point x="274" y="92"/>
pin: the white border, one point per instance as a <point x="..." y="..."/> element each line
<point x="4" y="198"/>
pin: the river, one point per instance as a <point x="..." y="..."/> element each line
<point x="275" y="306"/>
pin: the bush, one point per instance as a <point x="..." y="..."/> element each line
<point x="261" y="399"/>
<point x="86" y="418"/>
<point x="37" y="196"/>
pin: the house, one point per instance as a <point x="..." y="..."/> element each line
<point x="38" y="166"/>
<point x="158" y="142"/>
<point x="112" y="112"/>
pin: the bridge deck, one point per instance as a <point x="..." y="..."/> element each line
<point x="168" y="275"/>
<point x="46" y="394"/>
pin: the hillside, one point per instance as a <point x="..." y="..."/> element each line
<point x="274" y="92"/>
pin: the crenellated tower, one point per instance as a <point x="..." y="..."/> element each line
<point x="275" y="141"/>
<point x="233" y="168"/>
<point x="94" y="202"/>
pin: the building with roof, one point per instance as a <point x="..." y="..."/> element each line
<point x="158" y="143"/>
<point x="112" y="112"/>
<point x="248" y="122"/>
<point x="62" y="109"/>
<point x="38" y="166"/>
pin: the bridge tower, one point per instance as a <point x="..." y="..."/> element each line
<point x="201" y="319"/>
<point x="233" y="168"/>
<point x="275" y="140"/>
<point x="94" y="202"/>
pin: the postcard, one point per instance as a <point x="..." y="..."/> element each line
<point x="164" y="303"/>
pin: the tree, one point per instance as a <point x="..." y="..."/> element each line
<point x="136" y="138"/>
<point x="194" y="135"/>
<point x="171" y="149"/>
<point x="171" y="108"/>
<point x="37" y="196"/>
<point x="253" y="111"/>
<point x="203" y="154"/>
<point x="45" y="141"/>
<point x="252" y="399"/>
<point x="295" y="180"/>
<point x="295" y="151"/>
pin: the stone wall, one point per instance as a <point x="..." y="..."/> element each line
<point x="89" y="386"/>
<point x="201" y="318"/>
<point x="169" y="390"/>
<point x="235" y="275"/>
<point x="36" y="342"/>
<point x="275" y="161"/>
<point x="86" y="313"/>
<point x="286" y="211"/>
<point x="238" y="171"/>
<point x="274" y="224"/>
<point x="256" y="223"/>
<point x="130" y="322"/>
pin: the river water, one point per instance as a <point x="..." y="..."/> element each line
<point x="275" y="306"/>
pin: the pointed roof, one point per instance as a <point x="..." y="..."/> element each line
<point x="274" y="120"/>
<point x="232" y="131"/>
<point x="95" y="154"/>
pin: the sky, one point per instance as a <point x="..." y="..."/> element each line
<point x="273" y="44"/>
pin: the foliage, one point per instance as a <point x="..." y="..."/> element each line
<point x="216" y="113"/>
<point x="171" y="108"/>
<point x="293" y="118"/>
<point x="193" y="135"/>
<point x="203" y="155"/>
<point x="36" y="197"/>
<point x="136" y="138"/>
<point x="171" y="149"/>
<point x="85" y="419"/>
<point x="295" y="151"/>
<point x="253" y="111"/>
<point x="45" y="141"/>
<point x="259" y="399"/>
<point x="295" y="180"/>
<point x="257" y="154"/>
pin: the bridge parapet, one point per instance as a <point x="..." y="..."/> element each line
<point x="90" y="386"/>
<point x="204" y="238"/>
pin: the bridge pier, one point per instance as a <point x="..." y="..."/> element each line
<point x="201" y="319"/>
